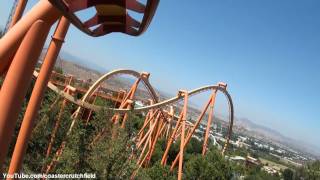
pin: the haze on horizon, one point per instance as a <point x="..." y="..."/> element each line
<point x="267" y="51"/>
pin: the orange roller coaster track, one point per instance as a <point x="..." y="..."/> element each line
<point x="160" y="120"/>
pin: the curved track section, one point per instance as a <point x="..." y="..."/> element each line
<point x="120" y="72"/>
<point x="141" y="109"/>
<point x="117" y="72"/>
<point x="158" y="105"/>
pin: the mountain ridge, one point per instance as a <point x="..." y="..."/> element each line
<point x="276" y="136"/>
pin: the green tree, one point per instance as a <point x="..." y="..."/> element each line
<point x="287" y="174"/>
<point x="194" y="146"/>
<point x="108" y="157"/>
<point x="313" y="170"/>
<point x="38" y="144"/>
<point x="310" y="171"/>
<point x="299" y="173"/>
<point x="211" y="166"/>
<point x="261" y="175"/>
<point x="255" y="173"/>
<point x="157" y="171"/>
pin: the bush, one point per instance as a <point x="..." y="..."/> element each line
<point x="211" y="166"/>
<point x="287" y="174"/>
<point x="157" y="171"/>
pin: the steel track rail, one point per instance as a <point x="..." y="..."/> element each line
<point x="157" y="105"/>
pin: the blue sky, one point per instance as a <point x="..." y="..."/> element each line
<point x="267" y="51"/>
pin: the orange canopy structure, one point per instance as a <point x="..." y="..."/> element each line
<point x="110" y="15"/>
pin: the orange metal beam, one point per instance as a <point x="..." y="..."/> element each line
<point x="150" y="140"/>
<point x="90" y="111"/>
<point x="18" y="12"/>
<point x="37" y="94"/>
<point x="149" y="132"/>
<point x="193" y="130"/>
<point x="205" y="142"/>
<point x="127" y="102"/>
<point x="11" y="41"/>
<point x="184" y="118"/>
<point x="17" y="81"/>
<point x="170" y="141"/>
<point x="161" y="126"/>
<point x="141" y="131"/>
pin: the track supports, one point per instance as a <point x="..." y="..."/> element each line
<point x="128" y="102"/>
<point x="205" y="141"/>
<point x="17" y="81"/>
<point x="196" y="125"/>
<point x="57" y="124"/>
<point x="181" y="130"/>
<point x="37" y="94"/>
<point x="170" y="141"/>
<point x="183" y="127"/>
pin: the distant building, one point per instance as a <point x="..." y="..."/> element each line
<point x="270" y="170"/>
<point x="238" y="158"/>
<point x="248" y="161"/>
<point x="251" y="161"/>
<point x="280" y="151"/>
<point x="138" y="103"/>
<point x="243" y="139"/>
<point x="288" y="161"/>
<point x="241" y="144"/>
<point x="218" y="134"/>
<point x="277" y="156"/>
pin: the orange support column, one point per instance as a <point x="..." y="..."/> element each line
<point x="171" y="119"/>
<point x="161" y="126"/>
<point x="56" y="127"/>
<point x="141" y="131"/>
<point x="91" y="112"/>
<point x="125" y="117"/>
<point x="17" y="81"/>
<point x="18" y="12"/>
<point x="183" y="127"/>
<point x="189" y="136"/>
<point x="11" y="41"/>
<point x="149" y="132"/>
<point x="170" y="141"/>
<point x="127" y="102"/>
<point x="205" y="142"/>
<point x="130" y="96"/>
<point x="57" y="124"/>
<point x="37" y="94"/>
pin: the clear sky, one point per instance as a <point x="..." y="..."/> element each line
<point x="268" y="51"/>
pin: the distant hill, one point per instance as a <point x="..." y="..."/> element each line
<point x="82" y="62"/>
<point x="271" y="135"/>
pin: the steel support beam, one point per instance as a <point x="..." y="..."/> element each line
<point x="11" y="41"/>
<point x="18" y="12"/>
<point x="37" y="95"/>
<point x="17" y="80"/>
<point x="205" y="141"/>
